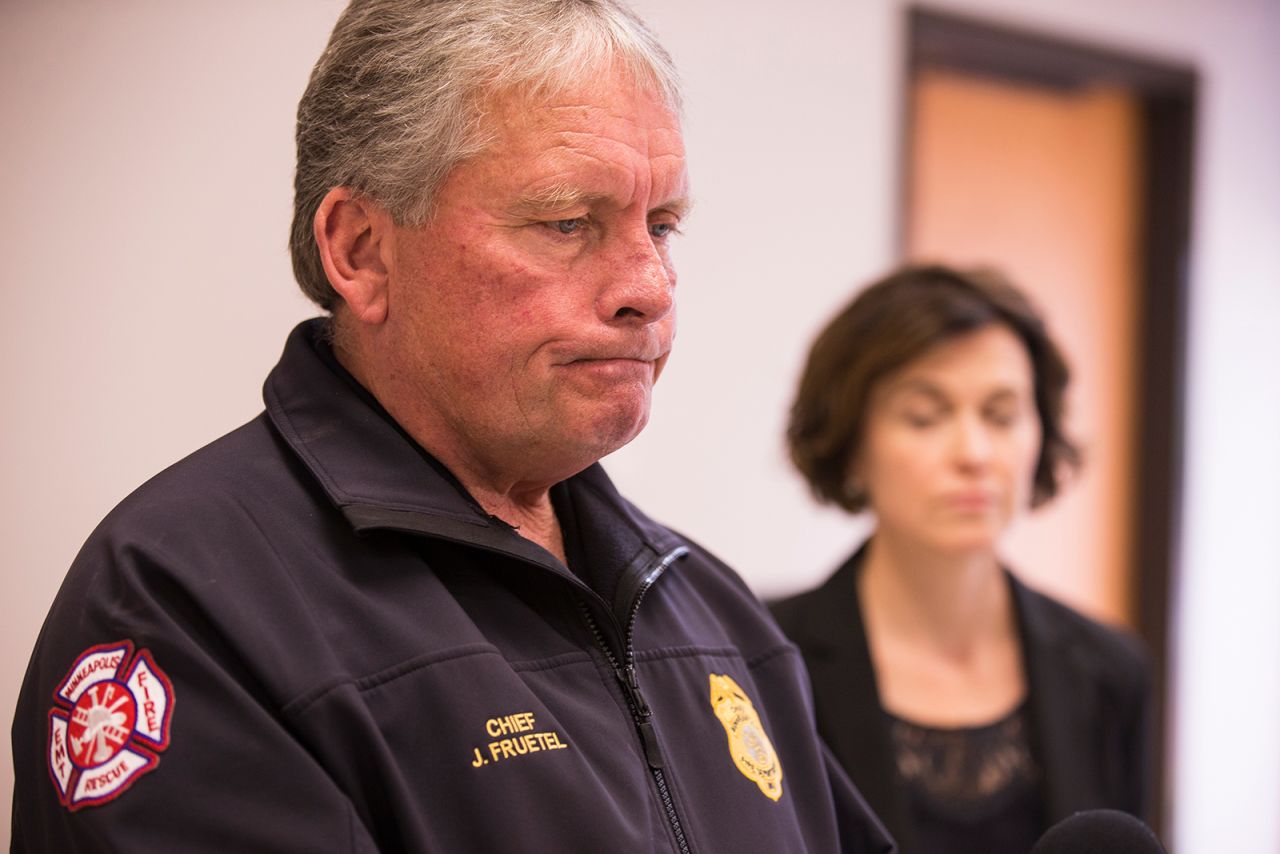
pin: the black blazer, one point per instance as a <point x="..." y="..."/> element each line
<point x="1089" y="692"/>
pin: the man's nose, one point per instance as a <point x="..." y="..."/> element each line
<point x="639" y="283"/>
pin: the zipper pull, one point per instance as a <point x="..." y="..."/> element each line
<point x="644" y="717"/>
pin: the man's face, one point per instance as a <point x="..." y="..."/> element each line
<point x="534" y="311"/>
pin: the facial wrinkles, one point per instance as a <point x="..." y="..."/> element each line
<point x="605" y="174"/>
<point x="621" y="133"/>
<point x="586" y="179"/>
<point x="603" y="166"/>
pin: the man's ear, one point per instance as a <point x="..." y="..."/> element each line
<point x="354" y="235"/>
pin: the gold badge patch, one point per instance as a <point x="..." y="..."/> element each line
<point x="749" y="744"/>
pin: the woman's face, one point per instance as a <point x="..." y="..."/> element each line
<point x="951" y="443"/>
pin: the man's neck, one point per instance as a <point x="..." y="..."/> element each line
<point x="524" y="503"/>
<point x="531" y="514"/>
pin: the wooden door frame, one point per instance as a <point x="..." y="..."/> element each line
<point x="1167" y="94"/>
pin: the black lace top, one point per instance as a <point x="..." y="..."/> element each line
<point x="971" y="790"/>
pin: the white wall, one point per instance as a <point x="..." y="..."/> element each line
<point x="146" y="161"/>
<point x="147" y="156"/>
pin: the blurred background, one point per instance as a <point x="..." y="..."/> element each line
<point x="1120" y="161"/>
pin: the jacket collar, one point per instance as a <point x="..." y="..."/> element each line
<point x="1061" y="708"/>
<point x="379" y="478"/>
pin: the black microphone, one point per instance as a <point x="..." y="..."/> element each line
<point x="1099" y="832"/>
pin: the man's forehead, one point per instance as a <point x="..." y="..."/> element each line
<point x="575" y="147"/>
<point x="613" y="97"/>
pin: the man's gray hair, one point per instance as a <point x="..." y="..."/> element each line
<point x="396" y="99"/>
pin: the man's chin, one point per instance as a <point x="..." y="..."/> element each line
<point x="580" y="430"/>
<point x="610" y="430"/>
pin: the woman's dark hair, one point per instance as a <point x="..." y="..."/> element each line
<point x="886" y="326"/>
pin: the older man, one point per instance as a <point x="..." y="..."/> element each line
<point x="403" y="609"/>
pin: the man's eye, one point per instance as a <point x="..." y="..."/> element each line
<point x="662" y="229"/>
<point x="568" y="226"/>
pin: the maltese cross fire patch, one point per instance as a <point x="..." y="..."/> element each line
<point x="109" y="723"/>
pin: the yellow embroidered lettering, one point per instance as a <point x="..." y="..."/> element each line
<point x="521" y="740"/>
<point x="509" y="724"/>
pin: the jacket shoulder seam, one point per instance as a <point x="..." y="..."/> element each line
<point x="364" y="683"/>
<point x="761" y="658"/>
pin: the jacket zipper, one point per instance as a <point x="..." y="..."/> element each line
<point x="641" y="714"/>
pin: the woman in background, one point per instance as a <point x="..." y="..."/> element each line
<point x="971" y="711"/>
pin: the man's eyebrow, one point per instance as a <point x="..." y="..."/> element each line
<point x="556" y="197"/>
<point x="681" y="206"/>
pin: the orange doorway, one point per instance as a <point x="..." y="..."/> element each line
<point x="1044" y="185"/>
<point x="1069" y="166"/>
